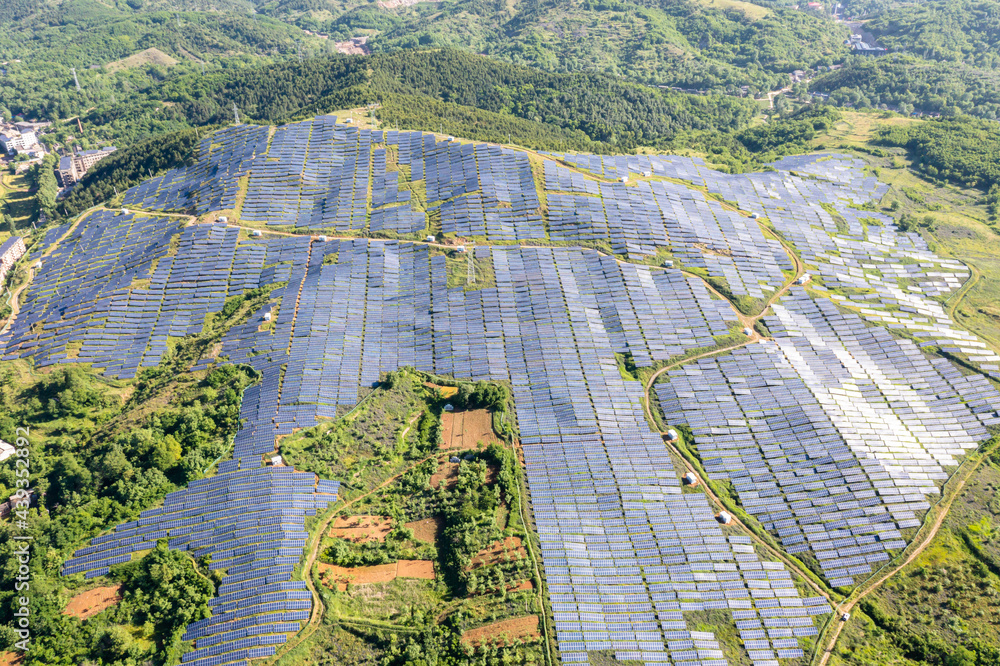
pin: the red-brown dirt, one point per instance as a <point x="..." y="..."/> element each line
<point x="427" y="530"/>
<point x="500" y="551"/>
<point x="332" y="575"/>
<point x="466" y="429"/>
<point x="90" y="603"/>
<point x="361" y="529"/>
<point x="504" y="631"/>
<point x="11" y="658"/>
<point x="447" y="472"/>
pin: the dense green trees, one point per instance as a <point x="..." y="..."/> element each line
<point x="790" y="134"/>
<point x="947" y="30"/>
<point x="962" y="150"/>
<point x="167" y="592"/>
<point x="130" y="166"/>
<point x="48" y="40"/>
<point x="676" y="43"/>
<point x="911" y="84"/>
<point x="43" y="181"/>
<point x="421" y="87"/>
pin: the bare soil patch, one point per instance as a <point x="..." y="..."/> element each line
<point x="711" y="250"/>
<point x="499" y="551"/>
<point x="427" y="530"/>
<point x="339" y="577"/>
<point x="415" y="569"/>
<point x="467" y="429"/>
<point x="361" y="529"/>
<point x="11" y="658"/>
<point x="446" y="391"/>
<point x="354" y="46"/>
<point x="90" y="603"/>
<point x="151" y="56"/>
<point x="503" y="632"/>
<point x="447" y="472"/>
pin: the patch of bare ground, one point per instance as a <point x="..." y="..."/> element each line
<point x="11" y="658"/>
<point x="500" y="551"/>
<point x="445" y="391"/>
<point x="90" y="603"/>
<point x="354" y="46"/>
<point x="423" y="569"/>
<point x="426" y="530"/>
<point x="150" y="56"/>
<point x="334" y="576"/>
<point x="361" y="529"/>
<point x="503" y="632"/>
<point x="711" y="250"/>
<point x="446" y="472"/>
<point x="467" y="429"/>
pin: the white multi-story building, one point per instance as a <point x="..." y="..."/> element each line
<point x="14" y="141"/>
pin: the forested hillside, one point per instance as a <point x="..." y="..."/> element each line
<point x="688" y="44"/>
<point x="683" y="43"/>
<point x="944" y="59"/>
<point x="908" y="84"/>
<point x="597" y="107"/>
<point x="946" y="30"/>
<point x="95" y="39"/>
<point x="962" y="150"/>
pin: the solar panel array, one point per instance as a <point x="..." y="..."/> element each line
<point x="894" y="274"/>
<point x="646" y="217"/>
<point x="122" y="286"/>
<point x="834" y="435"/>
<point x="212" y="182"/>
<point x="626" y="554"/>
<point x="318" y="174"/>
<point x="251" y="523"/>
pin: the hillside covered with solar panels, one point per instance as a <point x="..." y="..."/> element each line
<point x="397" y="394"/>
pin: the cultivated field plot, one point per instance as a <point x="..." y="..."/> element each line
<point x="834" y="433"/>
<point x="467" y="429"/>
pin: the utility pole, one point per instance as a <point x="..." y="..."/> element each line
<point x="236" y="114"/>
<point x="75" y="79"/>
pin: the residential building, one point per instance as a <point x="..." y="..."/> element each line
<point x="11" y="250"/>
<point x="73" y="167"/>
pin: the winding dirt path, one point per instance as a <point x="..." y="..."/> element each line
<point x="749" y="321"/>
<point x="318" y="607"/>
<point x="917" y="546"/>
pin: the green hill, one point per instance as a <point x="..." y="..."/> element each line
<point x="944" y="30"/>
<point x="581" y="111"/>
